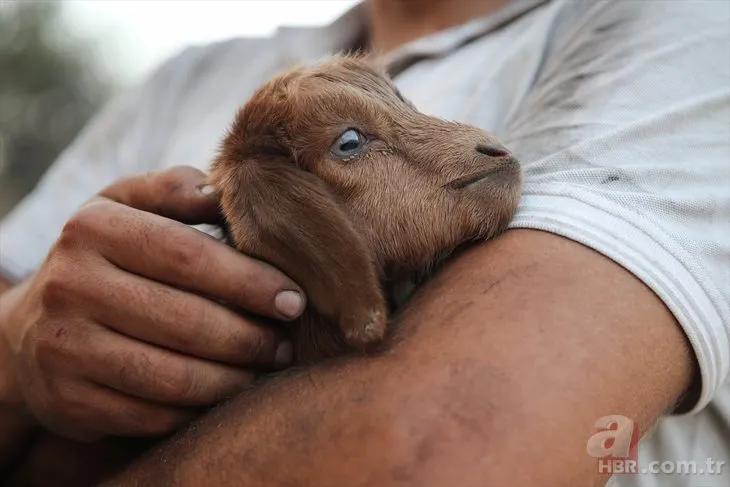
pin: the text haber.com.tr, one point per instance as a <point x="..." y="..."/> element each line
<point x="616" y="447"/>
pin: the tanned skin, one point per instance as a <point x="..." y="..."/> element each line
<point x="496" y="377"/>
<point x="15" y="423"/>
<point x="499" y="368"/>
<point x="397" y="22"/>
<point x="120" y="332"/>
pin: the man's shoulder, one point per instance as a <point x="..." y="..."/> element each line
<point x="204" y="63"/>
<point x="197" y="92"/>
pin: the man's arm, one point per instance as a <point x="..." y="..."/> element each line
<point x="499" y="370"/>
<point x="16" y="425"/>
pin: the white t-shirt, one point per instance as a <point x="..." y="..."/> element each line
<point x="618" y="110"/>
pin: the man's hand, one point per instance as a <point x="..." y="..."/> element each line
<point x="120" y="332"/>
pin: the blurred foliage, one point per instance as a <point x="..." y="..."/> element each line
<point x="51" y="83"/>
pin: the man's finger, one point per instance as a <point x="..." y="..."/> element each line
<point x="107" y="412"/>
<point x="148" y="372"/>
<point x="173" y="253"/>
<point x="191" y="324"/>
<point x="179" y="193"/>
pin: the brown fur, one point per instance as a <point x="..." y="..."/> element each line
<point x="347" y="229"/>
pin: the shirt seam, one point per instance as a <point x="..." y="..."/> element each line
<point x="677" y="296"/>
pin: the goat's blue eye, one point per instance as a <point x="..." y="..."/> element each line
<point x="349" y="144"/>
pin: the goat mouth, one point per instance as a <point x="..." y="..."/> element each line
<point x="465" y="181"/>
<point x="460" y="183"/>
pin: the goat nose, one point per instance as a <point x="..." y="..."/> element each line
<point x="492" y="150"/>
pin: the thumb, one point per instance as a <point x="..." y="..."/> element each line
<point x="180" y="193"/>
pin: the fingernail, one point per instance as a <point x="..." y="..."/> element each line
<point x="284" y="354"/>
<point x="206" y="189"/>
<point x="289" y="303"/>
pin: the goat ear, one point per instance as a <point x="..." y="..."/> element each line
<point x="286" y="216"/>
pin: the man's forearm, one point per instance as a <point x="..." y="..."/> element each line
<point x="316" y="426"/>
<point x="512" y="348"/>
<point x="16" y="424"/>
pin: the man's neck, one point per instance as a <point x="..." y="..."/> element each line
<point x="396" y="22"/>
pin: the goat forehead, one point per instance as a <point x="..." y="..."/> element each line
<point x="315" y="98"/>
<point x="355" y="73"/>
<point x="347" y="66"/>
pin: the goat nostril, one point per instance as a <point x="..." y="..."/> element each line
<point x="492" y="151"/>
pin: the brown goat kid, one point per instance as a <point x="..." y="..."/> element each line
<point x="330" y="175"/>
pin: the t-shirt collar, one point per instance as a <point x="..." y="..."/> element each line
<point x="309" y="43"/>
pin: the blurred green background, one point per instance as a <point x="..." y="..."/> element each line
<point x="51" y="83"/>
<point x="60" y="60"/>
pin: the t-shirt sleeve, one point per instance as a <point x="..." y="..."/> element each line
<point x="625" y="143"/>
<point x="126" y="136"/>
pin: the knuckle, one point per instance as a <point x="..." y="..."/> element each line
<point x="252" y="293"/>
<point x="177" y="381"/>
<point x="255" y="343"/>
<point x="131" y="368"/>
<point x="61" y="280"/>
<point x="56" y="287"/>
<point x="195" y="314"/>
<point x="170" y="182"/>
<point x="58" y="345"/>
<point x="189" y="310"/>
<point x="47" y="405"/>
<point x="46" y="345"/>
<point x="72" y="233"/>
<point x="185" y="253"/>
<point x="82" y="224"/>
<point x="64" y="398"/>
